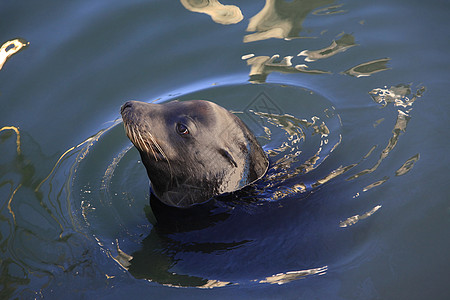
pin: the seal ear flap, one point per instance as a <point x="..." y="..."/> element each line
<point x="228" y="156"/>
<point x="256" y="158"/>
<point x="258" y="162"/>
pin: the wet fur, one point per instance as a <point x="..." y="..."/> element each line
<point x="219" y="154"/>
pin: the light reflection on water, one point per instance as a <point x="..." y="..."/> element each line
<point x="10" y="48"/>
<point x="283" y="20"/>
<point x="64" y="215"/>
<point x="344" y="42"/>
<point x="368" y="68"/>
<point x="222" y="14"/>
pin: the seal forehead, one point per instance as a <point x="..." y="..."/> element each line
<point x="199" y="110"/>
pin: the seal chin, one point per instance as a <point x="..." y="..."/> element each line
<point x="193" y="150"/>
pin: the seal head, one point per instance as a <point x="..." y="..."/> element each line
<point x="193" y="150"/>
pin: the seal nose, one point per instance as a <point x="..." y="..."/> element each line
<point x="127" y="104"/>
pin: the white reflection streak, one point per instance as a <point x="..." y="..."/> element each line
<point x="283" y="278"/>
<point x="355" y="219"/>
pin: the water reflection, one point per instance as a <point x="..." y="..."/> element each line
<point x="262" y="66"/>
<point x="294" y="129"/>
<point x="287" y="277"/>
<point x="33" y="226"/>
<point x="222" y="14"/>
<point x="345" y="42"/>
<point x="13" y="190"/>
<point x="10" y="48"/>
<point x="286" y="157"/>
<point x="322" y="131"/>
<point x="408" y="165"/>
<point x="375" y="184"/>
<point x="17" y="132"/>
<point x="356" y="218"/>
<point x="401" y="95"/>
<point x="283" y="19"/>
<point x="368" y="68"/>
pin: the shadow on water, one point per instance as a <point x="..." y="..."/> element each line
<point x="158" y="253"/>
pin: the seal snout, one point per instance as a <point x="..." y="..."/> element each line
<point x="127" y="104"/>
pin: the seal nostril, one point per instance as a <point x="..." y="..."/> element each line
<point x="127" y="104"/>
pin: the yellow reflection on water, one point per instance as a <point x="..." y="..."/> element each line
<point x="9" y="48"/>
<point x="333" y="174"/>
<point x="283" y="278"/>
<point x="210" y="284"/>
<point x="353" y="220"/>
<point x="368" y="68"/>
<point x="262" y="66"/>
<point x="375" y="184"/>
<point x="222" y="14"/>
<point x="408" y="165"/>
<point x="10" y="201"/>
<point x="282" y="19"/>
<point x="16" y="130"/>
<point x="345" y="42"/>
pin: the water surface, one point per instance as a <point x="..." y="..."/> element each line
<point x="347" y="98"/>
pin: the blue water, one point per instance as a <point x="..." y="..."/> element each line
<point x="354" y="206"/>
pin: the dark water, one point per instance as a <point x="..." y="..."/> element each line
<point x="355" y="205"/>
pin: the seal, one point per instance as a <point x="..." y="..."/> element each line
<point x="193" y="150"/>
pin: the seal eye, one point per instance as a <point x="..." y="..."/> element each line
<point x="182" y="129"/>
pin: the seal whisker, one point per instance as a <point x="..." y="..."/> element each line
<point x="155" y="143"/>
<point x="136" y="137"/>
<point x="145" y="145"/>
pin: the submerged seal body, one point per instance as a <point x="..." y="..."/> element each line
<point x="193" y="150"/>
